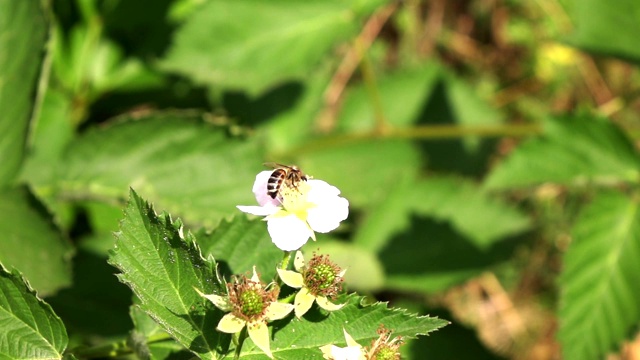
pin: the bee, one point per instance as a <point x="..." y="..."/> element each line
<point x="290" y="176"/>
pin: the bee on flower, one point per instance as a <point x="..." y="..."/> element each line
<point x="296" y="206"/>
<point x="319" y="281"/>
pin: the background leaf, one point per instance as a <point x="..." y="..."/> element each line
<point x="588" y="149"/>
<point x="163" y="266"/>
<point x="600" y="293"/>
<point x="31" y="330"/>
<point x="23" y="32"/>
<point x="187" y="166"/>
<point x="258" y="44"/>
<point x="594" y="21"/>
<point x="32" y="243"/>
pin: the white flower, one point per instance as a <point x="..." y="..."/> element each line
<point x="319" y="279"/>
<point x="353" y="350"/>
<point x="294" y="215"/>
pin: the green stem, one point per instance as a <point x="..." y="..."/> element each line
<point x="285" y="260"/>
<point x="418" y="133"/>
<point x="240" y="341"/>
<point x="108" y="350"/>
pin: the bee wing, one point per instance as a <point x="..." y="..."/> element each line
<point x="275" y="165"/>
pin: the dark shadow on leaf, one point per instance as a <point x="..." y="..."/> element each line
<point x="252" y="111"/>
<point x="97" y="304"/>
<point x="451" y="155"/>
<point x="431" y="247"/>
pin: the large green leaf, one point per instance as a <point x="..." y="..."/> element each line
<point x="30" y="328"/>
<point x="30" y="242"/>
<point x="430" y="257"/>
<point x="302" y="339"/>
<point x="608" y="28"/>
<point x="252" y="45"/>
<point x="162" y="264"/>
<point x="573" y="150"/>
<point x="185" y="165"/>
<point x="23" y="32"/>
<point x="599" y="285"/>
<point x="484" y="219"/>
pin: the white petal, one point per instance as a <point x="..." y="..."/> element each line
<point x="303" y="302"/>
<point x="319" y="189"/>
<point x="291" y="278"/>
<point x="260" y="189"/>
<point x="298" y="262"/>
<point x="230" y="324"/>
<point x="259" y="333"/>
<point x="288" y="232"/>
<point x="324" y="303"/>
<point x="328" y="214"/>
<point x="278" y="310"/>
<point x="221" y="302"/>
<point x="258" y="210"/>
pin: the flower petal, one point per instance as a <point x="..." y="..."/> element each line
<point x="277" y="310"/>
<point x="303" y="302"/>
<point x="350" y="341"/>
<point x="332" y="352"/>
<point x="258" y="210"/>
<point x="328" y="214"/>
<point x="260" y="189"/>
<point x="288" y="232"/>
<point x="230" y="324"/>
<point x="221" y="302"/>
<point x="259" y="333"/>
<point x="298" y="262"/>
<point x="324" y="303"/>
<point x="319" y="190"/>
<point x="291" y="278"/>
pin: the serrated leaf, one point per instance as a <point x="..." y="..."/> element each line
<point x="239" y="244"/>
<point x="594" y="20"/>
<point x="599" y="285"/>
<point x="30" y="328"/>
<point x="163" y="267"/>
<point x="183" y="164"/>
<point x="30" y="241"/>
<point x="23" y="32"/>
<point x="301" y="339"/>
<point x="573" y="150"/>
<point x="248" y="44"/>
<point x="479" y="216"/>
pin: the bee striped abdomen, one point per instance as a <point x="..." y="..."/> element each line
<point x="284" y="175"/>
<point x="275" y="182"/>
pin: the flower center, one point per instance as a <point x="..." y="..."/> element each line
<point x="321" y="277"/>
<point x="251" y="303"/>
<point x="294" y="199"/>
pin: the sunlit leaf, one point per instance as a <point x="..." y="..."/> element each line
<point x="599" y="285"/>
<point x="30" y="328"/>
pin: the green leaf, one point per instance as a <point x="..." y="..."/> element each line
<point x="301" y="339"/>
<point x="187" y="166"/>
<point x="23" y="32"/>
<point x="431" y="257"/>
<point x="473" y="212"/>
<point x="239" y="244"/>
<point x="574" y="150"/>
<point x="363" y="170"/>
<point x="146" y="329"/>
<point x="31" y="330"/>
<point x="402" y="97"/>
<point x="162" y="266"/>
<point x="594" y="22"/>
<point x="599" y="286"/>
<point x="252" y="45"/>
<point x="386" y="218"/>
<point x="31" y="242"/>
<point x="364" y="270"/>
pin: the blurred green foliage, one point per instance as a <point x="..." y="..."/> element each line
<point x="488" y="150"/>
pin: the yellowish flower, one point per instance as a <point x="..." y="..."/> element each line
<point x="252" y="305"/>
<point x="353" y="350"/>
<point x="319" y="281"/>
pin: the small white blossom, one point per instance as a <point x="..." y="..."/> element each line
<point x="294" y="215"/>
<point x="353" y="350"/>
